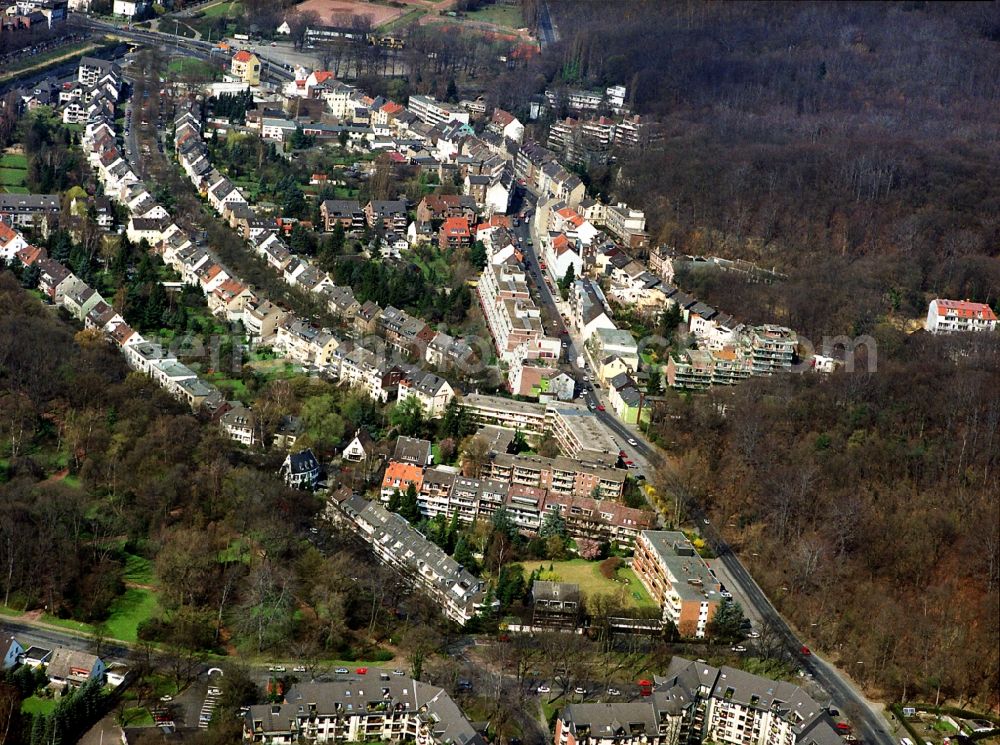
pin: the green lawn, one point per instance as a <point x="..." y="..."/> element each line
<point x="588" y="575"/>
<point x="139" y="570"/>
<point x="15" y="189"/>
<point x="228" y="9"/>
<point x="138" y="716"/>
<point x="128" y="611"/>
<point x="410" y="17"/>
<point x="13" y="160"/>
<point x="236" y="387"/>
<point x="195" y="68"/>
<point x="13" y="176"/>
<point x="36" y="705"/>
<point x="508" y="16"/>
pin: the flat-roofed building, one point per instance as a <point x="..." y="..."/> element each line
<point x="678" y="579"/>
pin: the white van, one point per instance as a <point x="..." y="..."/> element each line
<point x="906" y="741"/>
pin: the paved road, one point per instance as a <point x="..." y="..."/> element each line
<point x="28" y="633"/>
<point x="547" y="31"/>
<point x="642" y="454"/>
<point x="273" y="68"/>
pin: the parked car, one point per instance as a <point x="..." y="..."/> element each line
<point x="361" y="670"/>
<point x="299" y="669"/>
<point x="805" y="651"/>
<point x="580" y="691"/>
<point x="213" y="691"/>
<point x="398" y="672"/>
<point x="753" y="635"/>
<point x="543" y="689"/>
<point x="600" y="407"/>
<point x="276" y="669"/>
<point x="739" y="648"/>
<point x="342" y="671"/>
<point x="614" y="692"/>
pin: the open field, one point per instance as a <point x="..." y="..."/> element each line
<point x="507" y="16"/>
<point x="14" y="160"/>
<point x="227" y="9"/>
<point x="588" y="575"/>
<point x="337" y="12"/>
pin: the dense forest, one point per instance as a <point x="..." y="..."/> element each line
<point x="98" y="465"/>
<point x="853" y="148"/>
<point x="866" y="506"/>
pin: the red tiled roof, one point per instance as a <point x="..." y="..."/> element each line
<point x="323" y="75"/>
<point x="965" y="309"/>
<point x="455" y="226"/>
<point x="242" y="56"/>
<point x="7" y="234"/>
<point x="404" y="473"/>
<point x="30" y="254"/>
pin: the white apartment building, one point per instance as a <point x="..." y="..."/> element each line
<point x="514" y="320"/>
<point x="945" y="316"/>
<point x="431" y="111"/>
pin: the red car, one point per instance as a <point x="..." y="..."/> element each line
<point x="600" y="407"/>
<point x="361" y="670"/>
<point x="805" y="651"/>
<point x="843" y="727"/>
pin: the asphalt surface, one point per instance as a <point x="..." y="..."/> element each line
<point x="547" y="31"/>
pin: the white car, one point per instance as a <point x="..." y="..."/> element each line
<point x="299" y="669"/>
<point x="543" y="689"/>
<point x="214" y="691"/>
<point x="276" y="669"/>
<point x="739" y="648"/>
<point x="580" y="690"/>
<point x="753" y="635"/>
<point x="632" y="442"/>
<point x="726" y="594"/>
<point x="166" y="699"/>
<point x="614" y="692"/>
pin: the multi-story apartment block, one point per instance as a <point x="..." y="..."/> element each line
<point x="772" y="348"/>
<point x="400" y="477"/>
<point x="91" y="70"/>
<point x="627" y="224"/>
<point x="460" y="595"/>
<point x="693" y="703"/>
<point x="555" y="605"/>
<point x="579" y="433"/>
<point x="702" y="368"/>
<point x="348" y="213"/>
<point x="431" y="111"/>
<point x="678" y="579"/>
<point x="959" y="315"/>
<point x="561" y="475"/>
<point x="515" y="322"/>
<point x="365" y="705"/>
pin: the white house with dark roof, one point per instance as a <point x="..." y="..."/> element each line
<point x="12" y="650"/>
<point x="432" y="391"/>
<point x="301" y="470"/>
